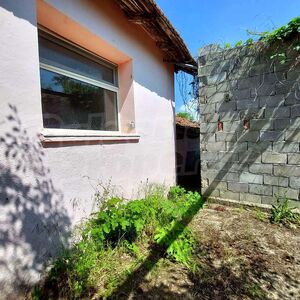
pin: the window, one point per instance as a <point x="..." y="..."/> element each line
<point x="79" y="91"/>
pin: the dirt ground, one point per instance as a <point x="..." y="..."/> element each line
<point x="240" y="255"/>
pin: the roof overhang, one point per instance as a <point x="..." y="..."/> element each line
<point x="149" y="16"/>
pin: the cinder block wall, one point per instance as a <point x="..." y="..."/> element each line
<point x="250" y="123"/>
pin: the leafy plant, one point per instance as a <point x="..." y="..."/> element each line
<point x="283" y="213"/>
<point x="227" y="46"/>
<point x="123" y="229"/>
<point x="178" y="240"/>
<point x="239" y="43"/>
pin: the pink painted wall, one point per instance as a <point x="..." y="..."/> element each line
<point x="46" y="190"/>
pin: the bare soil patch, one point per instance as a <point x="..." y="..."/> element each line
<point x="240" y="255"/>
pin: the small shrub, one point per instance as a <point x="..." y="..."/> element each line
<point x="95" y="264"/>
<point x="283" y="213"/>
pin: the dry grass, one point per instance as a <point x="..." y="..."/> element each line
<point x="240" y="255"/>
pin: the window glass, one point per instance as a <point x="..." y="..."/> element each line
<point x="73" y="104"/>
<point x="53" y="54"/>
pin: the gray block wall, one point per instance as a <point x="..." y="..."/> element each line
<point x="250" y="123"/>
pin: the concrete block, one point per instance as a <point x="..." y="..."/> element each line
<point x="274" y="158"/>
<point x="260" y="189"/>
<point x="243" y="104"/>
<point x="234" y="126"/>
<point x="294" y="159"/>
<point x="261" y="168"/>
<point x="229" y="116"/>
<point x="286" y="171"/>
<point x="207" y="91"/>
<point x="292" y="135"/>
<point x="225" y="136"/>
<point x="238" y="187"/>
<point x="215" y="98"/>
<point x="228" y="156"/>
<point x="271" y="101"/>
<point x="263" y="90"/>
<point x="268" y="200"/>
<point x="209" y="118"/>
<point x="208" y="128"/>
<point x="260" y="69"/>
<point x="246" y="197"/>
<point x="292" y="98"/>
<point x="226" y="106"/>
<point x="295" y="124"/>
<point x="259" y="146"/>
<point x="207" y="137"/>
<point x="286" y="147"/>
<point x="285" y="192"/>
<point x="250" y="82"/>
<point x="209" y="156"/>
<point x="295" y="111"/>
<point x="227" y="86"/>
<point x="280" y="112"/>
<point x="216" y="146"/>
<point x="236" y="147"/>
<point x="261" y="124"/>
<point x="207" y="108"/>
<point x="213" y="79"/>
<point x="293" y="75"/>
<point x="252" y="113"/>
<point x="249" y="157"/>
<point x="280" y="124"/>
<point x="277" y="181"/>
<point x="285" y="87"/>
<point x="248" y="136"/>
<point x="271" y="136"/>
<point x="229" y="195"/>
<point x="251" y="178"/>
<point x="294" y="182"/>
<point x="241" y="94"/>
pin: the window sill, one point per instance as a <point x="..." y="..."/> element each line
<point x="60" y="136"/>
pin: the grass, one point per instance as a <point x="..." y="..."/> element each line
<point x="118" y="239"/>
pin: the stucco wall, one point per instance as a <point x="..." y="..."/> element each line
<point x="45" y="190"/>
<point x="250" y="121"/>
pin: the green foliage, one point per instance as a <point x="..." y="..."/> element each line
<point x="227" y="46"/>
<point x="283" y="213"/>
<point x="239" y="43"/>
<point x="178" y="240"/>
<point x="283" y="33"/>
<point x="185" y="115"/>
<point x="122" y="228"/>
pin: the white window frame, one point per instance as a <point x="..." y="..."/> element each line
<point x="61" y="132"/>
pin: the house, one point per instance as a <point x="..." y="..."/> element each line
<point x="87" y="98"/>
<point x="187" y="153"/>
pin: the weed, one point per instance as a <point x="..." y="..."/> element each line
<point x="260" y="215"/>
<point x="283" y="213"/>
<point x="116" y="239"/>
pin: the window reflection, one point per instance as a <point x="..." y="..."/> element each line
<point x="72" y="104"/>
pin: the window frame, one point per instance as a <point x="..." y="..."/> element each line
<point x="59" y="132"/>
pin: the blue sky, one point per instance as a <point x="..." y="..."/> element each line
<point x="221" y="21"/>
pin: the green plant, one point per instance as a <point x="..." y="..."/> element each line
<point x="283" y="213"/>
<point x="185" y="115"/>
<point x="178" y="241"/>
<point x="227" y="46"/>
<point x="260" y="215"/>
<point x="124" y="229"/>
<point x="239" y="43"/>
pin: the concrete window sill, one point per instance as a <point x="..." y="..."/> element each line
<point x="61" y="137"/>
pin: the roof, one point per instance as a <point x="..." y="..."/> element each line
<point x="186" y="123"/>
<point x="150" y="17"/>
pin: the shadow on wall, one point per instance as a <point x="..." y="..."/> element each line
<point x="250" y="124"/>
<point x="34" y="225"/>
